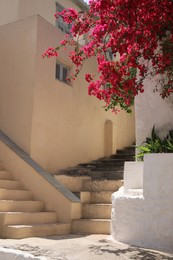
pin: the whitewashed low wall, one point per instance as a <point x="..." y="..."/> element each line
<point x="133" y="175"/>
<point x="11" y="254"/>
<point x="144" y="217"/>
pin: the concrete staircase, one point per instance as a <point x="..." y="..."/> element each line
<point x="94" y="183"/>
<point x="22" y="216"/>
<point x="96" y="206"/>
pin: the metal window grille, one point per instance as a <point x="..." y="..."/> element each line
<point x="62" y="72"/>
<point x="64" y="27"/>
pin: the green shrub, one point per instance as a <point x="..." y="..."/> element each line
<point x="155" y="144"/>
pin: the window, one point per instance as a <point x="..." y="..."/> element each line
<point x="62" y="72"/>
<point x="109" y="55"/>
<point x="64" y="27"/>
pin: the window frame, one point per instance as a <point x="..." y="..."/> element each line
<point x="62" y="66"/>
<point x="64" y="27"/>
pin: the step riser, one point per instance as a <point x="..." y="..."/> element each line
<point x="105" y="175"/>
<point x="106" y="185"/>
<point x="4" y="175"/>
<point x="124" y="157"/>
<point x="96" y="211"/>
<point x="74" y="184"/>
<point x="96" y="197"/>
<point x="109" y="178"/>
<point x="109" y="170"/>
<point x="15" y="195"/>
<point x="126" y="152"/>
<point x="10" y="184"/>
<point x="102" y="197"/>
<point x="27" y="218"/>
<point x="114" y="161"/>
<point x="90" y="227"/>
<point x="85" y="196"/>
<point x="21" y="206"/>
<point x="18" y="232"/>
<point x="106" y="165"/>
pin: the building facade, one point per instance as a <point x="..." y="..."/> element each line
<point x="56" y="123"/>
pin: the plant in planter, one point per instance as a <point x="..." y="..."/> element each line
<point x="155" y="144"/>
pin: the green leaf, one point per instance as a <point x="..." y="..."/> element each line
<point x="139" y="155"/>
<point x="154" y="136"/>
<point x="148" y="140"/>
<point x="144" y="148"/>
<point x="155" y="144"/>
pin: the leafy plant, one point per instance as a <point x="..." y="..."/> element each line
<point x="155" y="144"/>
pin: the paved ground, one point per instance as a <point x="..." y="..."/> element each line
<point x="72" y="247"/>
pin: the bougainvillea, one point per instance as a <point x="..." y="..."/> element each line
<point x="131" y="40"/>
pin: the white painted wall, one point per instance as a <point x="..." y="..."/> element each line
<point x="151" y="109"/>
<point x="133" y="175"/>
<point x="146" y="219"/>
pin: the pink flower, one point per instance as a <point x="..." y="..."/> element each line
<point x="50" y="52"/>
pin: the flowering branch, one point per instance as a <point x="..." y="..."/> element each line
<point x="135" y="34"/>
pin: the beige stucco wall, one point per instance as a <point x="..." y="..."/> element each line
<point x="17" y="78"/>
<point x="8" y="11"/>
<point x="12" y="10"/>
<point x="45" y="8"/>
<point x="68" y="125"/>
<point x="57" y="124"/>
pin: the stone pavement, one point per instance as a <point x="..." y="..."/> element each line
<point x="73" y="247"/>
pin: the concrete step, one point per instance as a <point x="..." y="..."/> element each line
<point x="10" y="184"/>
<point x="108" y="169"/>
<point x="18" y="206"/>
<point x="96" y="197"/>
<point x="73" y="183"/>
<point x="115" y="161"/>
<point x="124" y="156"/>
<point x="101" y="185"/>
<point x="15" y="194"/>
<point x="85" y="196"/>
<point x="98" y="211"/>
<point x="73" y="171"/>
<point x="41" y="230"/>
<point x="102" y="197"/>
<point x="110" y="175"/>
<point x="25" y="218"/>
<point x="91" y="226"/>
<point x="127" y="150"/>
<point x="104" y="164"/>
<point x="5" y="175"/>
